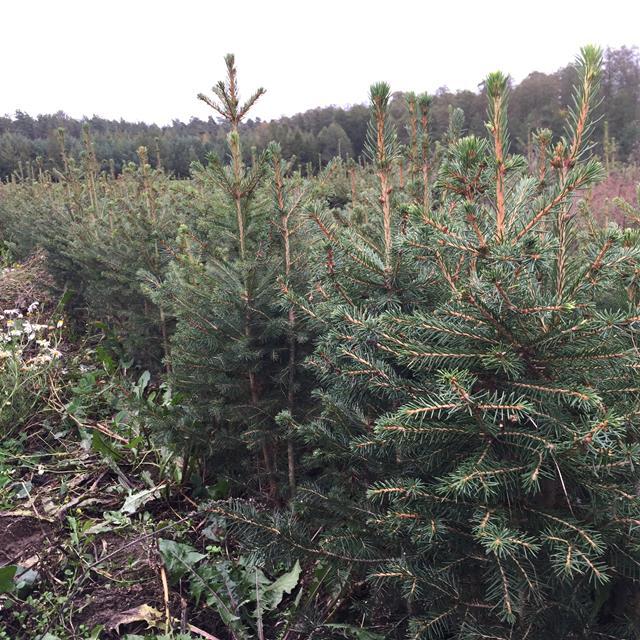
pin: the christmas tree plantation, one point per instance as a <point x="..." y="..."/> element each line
<point x="408" y="384"/>
<point x="474" y="459"/>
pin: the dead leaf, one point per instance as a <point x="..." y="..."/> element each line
<point x="23" y="513"/>
<point x="136" y="500"/>
<point x="143" y="613"/>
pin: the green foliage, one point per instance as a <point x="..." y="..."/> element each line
<point x="6" y="578"/>
<point x="102" y="237"/>
<point x="220" y="288"/>
<point x="236" y="346"/>
<point x="178" y="558"/>
<point x="488" y="411"/>
<point x="410" y="399"/>
<point x="239" y="591"/>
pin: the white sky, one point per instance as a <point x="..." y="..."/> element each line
<point x="147" y="59"/>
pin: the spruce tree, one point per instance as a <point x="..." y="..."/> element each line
<point x="490" y="411"/>
<point x="218" y="289"/>
<point x="511" y="506"/>
<point x="359" y="273"/>
<point x="238" y="346"/>
<point x="126" y="242"/>
<point x="293" y="244"/>
<point x="103" y="236"/>
<point x="419" y="148"/>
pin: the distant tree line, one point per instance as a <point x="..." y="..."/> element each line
<point x="317" y="135"/>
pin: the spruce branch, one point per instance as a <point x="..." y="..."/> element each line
<point x="497" y="91"/>
<point x="226" y="91"/>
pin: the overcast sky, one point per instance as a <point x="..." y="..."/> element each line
<point x="147" y="59"/>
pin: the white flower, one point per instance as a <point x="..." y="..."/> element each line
<point x="11" y="312"/>
<point x="33" y="306"/>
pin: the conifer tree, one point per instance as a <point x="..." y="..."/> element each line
<point x="292" y="248"/>
<point x="382" y="149"/>
<point x="219" y="289"/>
<point x="237" y="346"/>
<point x="490" y="415"/>
<point x="419" y="148"/>
<point x="103" y="236"/>
<point x="512" y="505"/>
<point x="121" y="241"/>
<point x="359" y="274"/>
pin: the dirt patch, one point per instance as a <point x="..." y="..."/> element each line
<point x="26" y="283"/>
<point x="22" y="537"/>
<point x="128" y="578"/>
<point x="102" y="604"/>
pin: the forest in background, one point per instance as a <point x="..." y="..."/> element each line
<point x="316" y="136"/>
<point x="393" y="398"/>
